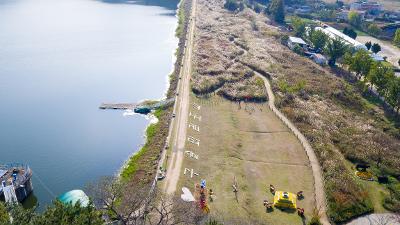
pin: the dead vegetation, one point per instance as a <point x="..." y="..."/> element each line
<point x="341" y="125"/>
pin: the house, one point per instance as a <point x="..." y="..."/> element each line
<point x="377" y="58"/>
<point x="370" y="7"/>
<point x="334" y="33"/>
<point x="344" y="14"/>
<point x="293" y="41"/>
<point x="319" y="59"/>
<point x="304" y="9"/>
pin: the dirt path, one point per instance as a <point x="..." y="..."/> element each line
<point x="391" y="52"/>
<point x="376" y="219"/>
<point x="316" y="168"/>
<point x="182" y="111"/>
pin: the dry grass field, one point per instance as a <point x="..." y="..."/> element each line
<point x="250" y="143"/>
<point x="342" y="126"/>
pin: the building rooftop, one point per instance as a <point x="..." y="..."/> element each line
<point x="297" y="40"/>
<point x="333" y="33"/>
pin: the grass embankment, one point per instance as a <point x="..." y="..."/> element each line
<point x="342" y="126"/>
<point x="142" y="166"/>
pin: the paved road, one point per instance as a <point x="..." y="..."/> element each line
<point x="182" y="112"/>
<point x="315" y="167"/>
<point x="388" y="49"/>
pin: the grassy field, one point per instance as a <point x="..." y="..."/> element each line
<point x="250" y="143"/>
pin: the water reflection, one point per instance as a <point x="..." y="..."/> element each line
<point x="168" y="4"/>
<point x="30" y="202"/>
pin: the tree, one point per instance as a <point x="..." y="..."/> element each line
<point x="368" y="45"/>
<point x="335" y="49"/>
<point x="257" y="7"/>
<point x="4" y="217"/>
<point x="299" y="50"/>
<point x="172" y="210"/>
<point x="57" y="213"/>
<point x="380" y="76"/>
<point x="394" y="96"/>
<point x="318" y="39"/>
<point x="374" y="30"/>
<point x="277" y="10"/>
<point x="299" y="26"/>
<point x="132" y="203"/>
<point x="396" y="39"/>
<point x="354" y="18"/>
<point x="361" y="63"/>
<point x="123" y="202"/>
<point x="233" y="5"/>
<point x="350" y="32"/>
<point x="376" y="48"/>
<point x="60" y="213"/>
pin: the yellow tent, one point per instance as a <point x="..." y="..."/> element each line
<point x="285" y="200"/>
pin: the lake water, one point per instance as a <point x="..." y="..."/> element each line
<point x="59" y="59"/>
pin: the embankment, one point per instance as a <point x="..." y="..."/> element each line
<point x="142" y="166"/>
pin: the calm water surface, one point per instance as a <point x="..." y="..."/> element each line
<point x="59" y="59"/>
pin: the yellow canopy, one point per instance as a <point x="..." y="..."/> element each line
<point x="284" y="199"/>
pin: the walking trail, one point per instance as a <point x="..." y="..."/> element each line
<point x="315" y="167"/>
<point x="182" y="111"/>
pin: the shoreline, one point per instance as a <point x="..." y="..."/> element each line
<point x="137" y="167"/>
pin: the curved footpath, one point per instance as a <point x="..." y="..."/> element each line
<point x="376" y="219"/>
<point x="315" y="167"/>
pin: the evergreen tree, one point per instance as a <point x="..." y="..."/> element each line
<point x="318" y="39"/>
<point x="277" y="10"/>
<point x="361" y="63"/>
<point x="4" y="217"/>
<point x="376" y="48"/>
<point x="335" y="49"/>
<point x="394" y="93"/>
<point x="299" y="26"/>
<point x="368" y="45"/>
<point x="57" y="213"/>
<point x="396" y="39"/>
<point x="380" y="76"/>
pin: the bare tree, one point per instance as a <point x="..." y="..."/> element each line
<point x="123" y="202"/>
<point x="133" y="204"/>
<point x="171" y="210"/>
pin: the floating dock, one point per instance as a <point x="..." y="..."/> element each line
<point x="121" y="106"/>
<point x="142" y="108"/>
<point x="16" y="182"/>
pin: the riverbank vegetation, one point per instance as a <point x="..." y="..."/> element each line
<point x="142" y="166"/>
<point x="57" y="213"/>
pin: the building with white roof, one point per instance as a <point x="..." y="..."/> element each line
<point x="333" y="33"/>
<point x="293" y="41"/>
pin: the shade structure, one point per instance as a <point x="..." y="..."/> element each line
<point x="284" y="199"/>
<point x="72" y="197"/>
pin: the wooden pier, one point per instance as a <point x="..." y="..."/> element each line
<point x="121" y="106"/>
<point x="146" y="106"/>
